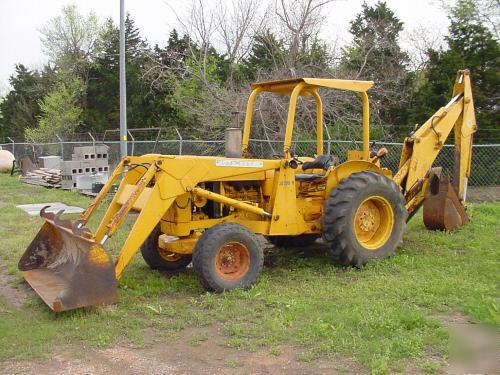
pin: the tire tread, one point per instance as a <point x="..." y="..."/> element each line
<point x="203" y="262"/>
<point x="338" y="207"/>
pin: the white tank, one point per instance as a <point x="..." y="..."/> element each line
<point x="6" y="159"/>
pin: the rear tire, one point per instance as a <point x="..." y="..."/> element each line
<point x="302" y="240"/>
<point x="364" y="219"/>
<point x="227" y="256"/>
<point x="159" y="259"/>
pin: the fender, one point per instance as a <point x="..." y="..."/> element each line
<point x="344" y="170"/>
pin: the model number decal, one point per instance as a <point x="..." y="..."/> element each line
<point x="239" y="163"/>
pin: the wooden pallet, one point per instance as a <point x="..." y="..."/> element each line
<point x="43" y="177"/>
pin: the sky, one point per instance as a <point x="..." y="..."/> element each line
<point x="21" y="20"/>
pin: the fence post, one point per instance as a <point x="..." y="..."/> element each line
<point x="180" y="141"/>
<point x="328" y="148"/>
<point x="13" y="146"/>
<point x="34" y="152"/>
<point x="93" y="139"/>
<point x="62" y="146"/>
<point x="133" y="141"/>
<point x="157" y="139"/>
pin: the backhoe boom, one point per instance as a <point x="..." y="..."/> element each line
<point x="422" y="147"/>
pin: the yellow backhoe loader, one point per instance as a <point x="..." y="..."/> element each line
<point x="208" y="210"/>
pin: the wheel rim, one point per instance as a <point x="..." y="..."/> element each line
<point x="232" y="260"/>
<point x="168" y="255"/>
<point x="373" y="222"/>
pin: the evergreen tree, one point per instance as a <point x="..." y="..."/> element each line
<point x="267" y="53"/>
<point x="171" y="63"/>
<point x="103" y="91"/>
<point x="471" y="45"/>
<point x="375" y="54"/>
<point x="271" y="54"/>
<point x="140" y="104"/>
<point x="19" y="108"/>
<point x="103" y="105"/>
<point x="176" y="52"/>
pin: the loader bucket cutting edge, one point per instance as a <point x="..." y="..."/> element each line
<point x="66" y="267"/>
<point x="442" y="208"/>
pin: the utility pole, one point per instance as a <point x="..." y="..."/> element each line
<point x="123" y="87"/>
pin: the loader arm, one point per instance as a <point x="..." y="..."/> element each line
<point x="422" y="147"/>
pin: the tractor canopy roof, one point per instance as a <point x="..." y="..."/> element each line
<point x="286" y="86"/>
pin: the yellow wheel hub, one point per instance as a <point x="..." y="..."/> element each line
<point x="373" y="222"/>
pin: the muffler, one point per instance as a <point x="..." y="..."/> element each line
<point x="66" y="267"/>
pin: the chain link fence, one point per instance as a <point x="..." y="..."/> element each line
<point x="485" y="158"/>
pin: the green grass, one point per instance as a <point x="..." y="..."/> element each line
<point x="381" y="316"/>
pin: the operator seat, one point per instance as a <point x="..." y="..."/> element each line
<point x="321" y="162"/>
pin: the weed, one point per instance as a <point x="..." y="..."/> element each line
<point x="430" y="367"/>
<point x="198" y="339"/>
<point x="233" y="363"/>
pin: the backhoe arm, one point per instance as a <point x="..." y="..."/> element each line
<point x="422" y="147"/>
<point x="465" y="127"/>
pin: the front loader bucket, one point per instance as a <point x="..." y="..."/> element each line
<point x="66" y="267"/>
<point x="442" y="208"/>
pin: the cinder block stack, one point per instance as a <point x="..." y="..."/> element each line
<point x="86" y="160"/>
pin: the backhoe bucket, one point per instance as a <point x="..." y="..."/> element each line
<point x="66" y="267"/>
<point x="442" y="208"/>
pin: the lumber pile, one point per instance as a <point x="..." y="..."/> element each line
<point x="47" y="177"/>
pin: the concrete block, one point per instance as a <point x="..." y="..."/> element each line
<point x="101" y="162"/>
<point x="90" y="152"/>
<point x="102" y="149"/>
<point x="89" y="166"/>
<point x="103" y="168"/>
<point x="71" y="167"/>
<point x="53" y="162"/>
<point x="68" y="182"/>
<point x="85" y="182"/>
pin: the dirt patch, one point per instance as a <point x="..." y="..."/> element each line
<point x="483" y="194"/>
<point x="474" y="348"/>
<point x="14" y="296"/>
<point x="194" y="351"/>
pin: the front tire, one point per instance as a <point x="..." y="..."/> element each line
<point x="364" y="219"/>
<point x="227" y="256"/>
<point x="159" y="259"/>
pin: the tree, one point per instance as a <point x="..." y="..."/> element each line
<point x="237" y="26"/>
<point x="471" y="45"/>
<point x="70" y="40"/>
<point x="140" y="102"/>
<point x="103" y="104"/>
<point x="164" y="72"/>
<point x="19" y="108"/>
<point x="102" y="109"/>
<point x="267" y="53"/>
<point x="211" y="87"/>
<point x="60" y="113"/>
<point x="375" y="54"/>
<point x="300" y="22"/>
